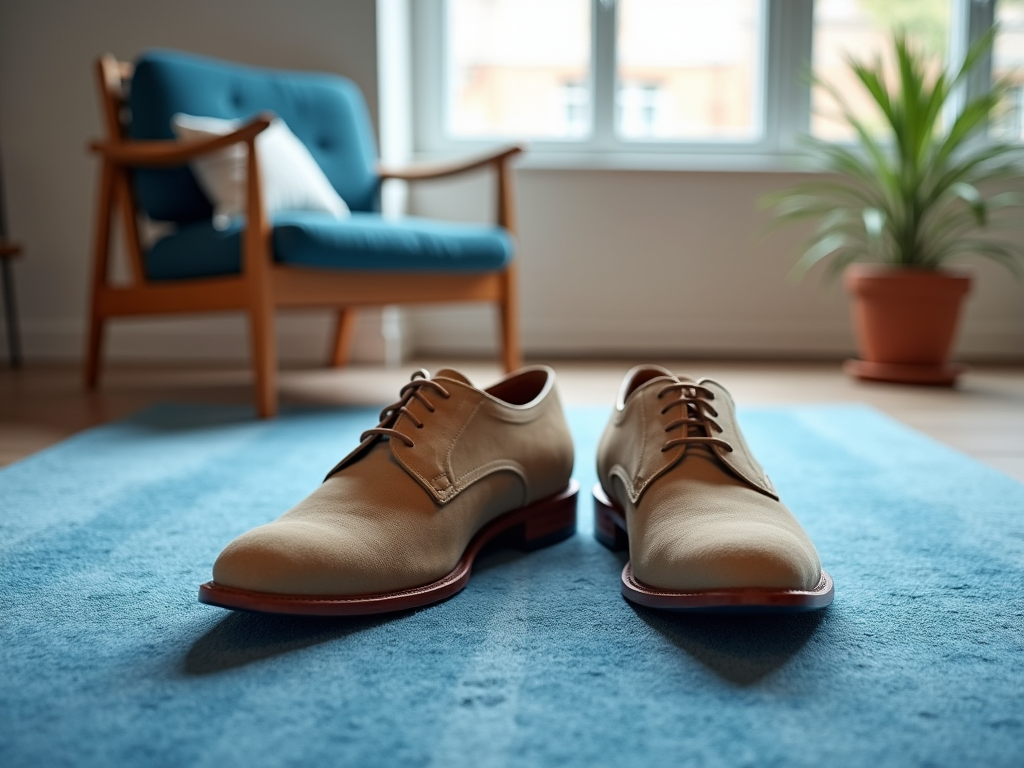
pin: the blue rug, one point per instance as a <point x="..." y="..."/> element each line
<point x="108" y="659"/>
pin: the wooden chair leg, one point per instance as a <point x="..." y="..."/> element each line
<point x="343" y="334"/>
<point x="94" y="349"/>
<point x="264" y="360"/>
<point x="512" y="355"/>
<point x="256" y="264"/>
<point x="101" y="252"/>
<point x="11" y="311"/>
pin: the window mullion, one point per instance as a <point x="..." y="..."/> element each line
<point x="604" y="74"/>
<point x="788" y="93"/>
<point x="980" y="16"/>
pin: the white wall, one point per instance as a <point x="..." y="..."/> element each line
<point x="619" y="262"/>
<point x="674" y="263"/>
<point x="49" y="111"/>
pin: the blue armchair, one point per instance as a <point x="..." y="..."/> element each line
<point x="290" y="259"/>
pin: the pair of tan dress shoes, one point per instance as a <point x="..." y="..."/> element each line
<point x="451" y="468"/>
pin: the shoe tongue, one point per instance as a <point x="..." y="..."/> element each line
<point x="452" y="374"/>
<point x="641" y="377"/>
<point x="650" y="375"/>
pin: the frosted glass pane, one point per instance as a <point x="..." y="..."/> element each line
<point x="519" y="68"/>
<point x="863" y="28"/>
<point x="689" y="69"/>
<point x="1008" y="62"/>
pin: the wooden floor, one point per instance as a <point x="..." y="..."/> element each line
<point x="984" y="416"/>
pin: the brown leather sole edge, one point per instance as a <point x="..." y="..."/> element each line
<point x="610" y="530"/>
<point x="540" y="524"/>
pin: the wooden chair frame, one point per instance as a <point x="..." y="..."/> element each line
<point x="263" y="285"/>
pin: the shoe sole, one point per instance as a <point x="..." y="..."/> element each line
<point x="537" y="525"/>
<point x="610" y="530"/>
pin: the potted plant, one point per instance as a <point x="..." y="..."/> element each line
<point x="903" y="203"/>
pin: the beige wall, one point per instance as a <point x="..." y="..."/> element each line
<point x="674" y="262"/>
<point x="622" y="262"/>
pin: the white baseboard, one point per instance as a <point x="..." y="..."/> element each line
<point x="451" y="335"/>
<point x="472" y="332"/>
<point x="304" y="338"/>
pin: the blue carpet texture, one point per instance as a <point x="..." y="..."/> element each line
<point x="108" y="660"/>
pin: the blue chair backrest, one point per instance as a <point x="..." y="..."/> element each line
<point x="326" y="112"/>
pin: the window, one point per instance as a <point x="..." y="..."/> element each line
<point x="687" y="83"/>
<point x="642" y="112"/>
<point x="518" y="68"/>
<point x="689" y="69"/>
<point x="576" y="98"/>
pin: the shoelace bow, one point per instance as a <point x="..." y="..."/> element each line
<point x="698" y="420"/>
<point x="412" y="391"/>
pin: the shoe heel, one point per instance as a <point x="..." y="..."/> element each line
<point x="554" y="520"/>
<point x="609" y="526"/>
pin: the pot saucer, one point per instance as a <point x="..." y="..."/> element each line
<point x="940" y="375"/>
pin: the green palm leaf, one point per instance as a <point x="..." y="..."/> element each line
<point x="916" y="192"/>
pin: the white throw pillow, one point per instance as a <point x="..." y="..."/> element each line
<point x="292" y="180"/>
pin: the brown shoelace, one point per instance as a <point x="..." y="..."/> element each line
<point x="412" y="391"/>
<point x="698" y="421"/>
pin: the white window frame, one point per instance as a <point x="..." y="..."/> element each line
<point x="784" y="108"/>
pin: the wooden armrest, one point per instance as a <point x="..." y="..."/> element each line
<point x="171" y="152"/>
<point x="9" y="249"/>
<point x="439" y="170"/>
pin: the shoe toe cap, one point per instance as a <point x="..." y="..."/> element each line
<point x="729" y="556"/>
<point x="303" y="558"/>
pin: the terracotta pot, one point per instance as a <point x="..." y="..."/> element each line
<point x="905" y="321"/>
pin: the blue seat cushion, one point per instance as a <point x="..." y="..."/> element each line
<point x="363" y="242"/>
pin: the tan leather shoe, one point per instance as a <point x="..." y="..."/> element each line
<point x="704" y="526"/>
<point x="399" y="521"/>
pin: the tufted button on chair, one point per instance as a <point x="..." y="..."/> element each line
<point x="290" y="259"/>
